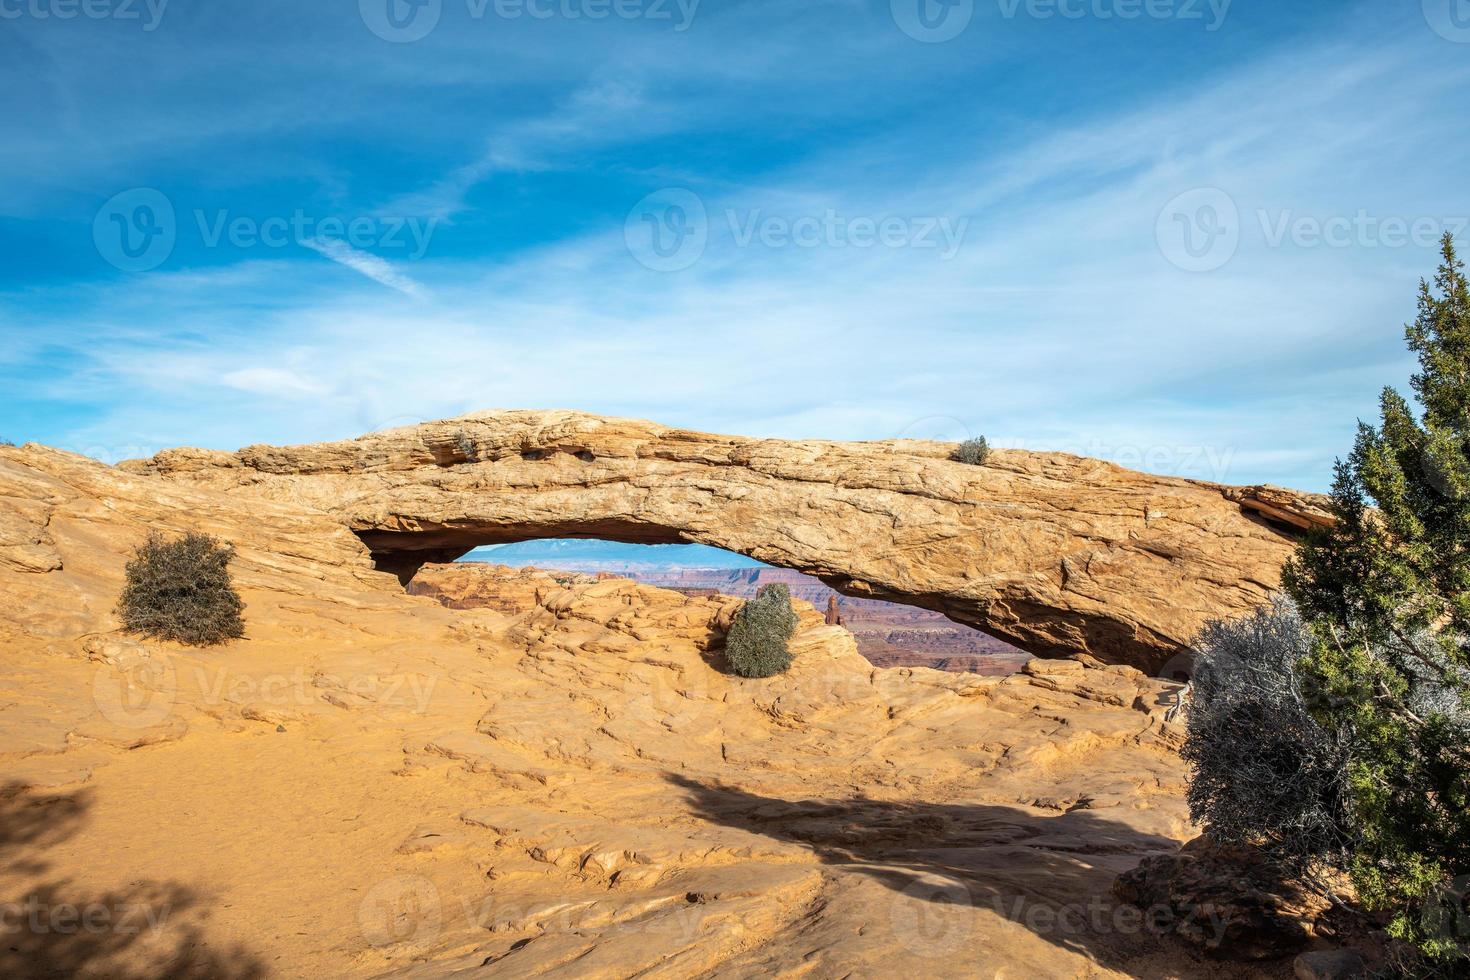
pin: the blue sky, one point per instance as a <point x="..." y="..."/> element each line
<point x="1181" y="234"/>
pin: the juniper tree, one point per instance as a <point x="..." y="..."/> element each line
<point x="1387" y="588"/>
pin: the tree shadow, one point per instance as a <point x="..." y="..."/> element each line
<point x="1052" y="875"/>
<point x="57" y="928"/>
<point x="31" y="822"/>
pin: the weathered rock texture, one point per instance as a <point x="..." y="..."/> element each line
<point x="371" y="784"/>
<point x="1055" y="553"/>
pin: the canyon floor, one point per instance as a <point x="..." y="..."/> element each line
<point x="562" y="783"/>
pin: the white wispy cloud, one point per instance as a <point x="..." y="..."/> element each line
<point x="272" y="382"/>
<point x="377" y="269"/>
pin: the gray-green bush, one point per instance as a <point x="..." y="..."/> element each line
<point x="1263" y="771"/>
<point x="972" y="451"/>
<point x="758" y="642"/>
<point x="180" y="590"/>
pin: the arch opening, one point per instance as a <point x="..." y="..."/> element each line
<point x="404" y="552"/>
<point x="888" y="634"/>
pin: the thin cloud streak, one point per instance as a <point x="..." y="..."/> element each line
<point x="375" y="268"/>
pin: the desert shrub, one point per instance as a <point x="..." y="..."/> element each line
<point x="466" y="447"/>
<point x="1263" y="772"/>
<point x="1387" y="589"/>
<point x="757" y="644"/>
<point x="972" y="451"/>
<point x="180" y="590"/>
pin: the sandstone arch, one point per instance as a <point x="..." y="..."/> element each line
<point x="1055" y="553"/>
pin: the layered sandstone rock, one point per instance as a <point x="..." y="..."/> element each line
<point x="370" y="783"/>
<point x="1055" y="553"/>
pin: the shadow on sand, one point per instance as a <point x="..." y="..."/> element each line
<point x="52" y="927"/>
